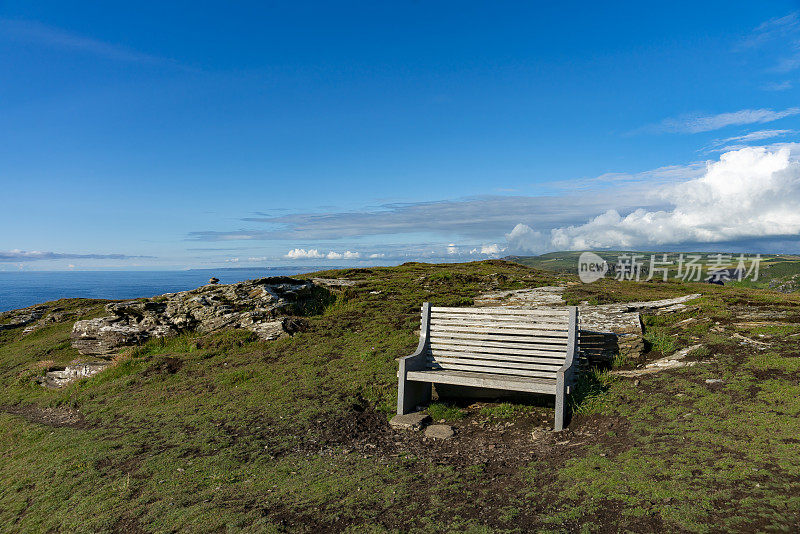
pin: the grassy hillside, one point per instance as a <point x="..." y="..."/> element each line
<point x="227" y="433"/>
<point x="777" y="271"/>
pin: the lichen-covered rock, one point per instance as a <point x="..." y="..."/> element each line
<point x="262" y="306"/>
<point x="22" y="317"/>
<point x="58" y="378"/>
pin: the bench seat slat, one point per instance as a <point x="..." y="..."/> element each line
<point x="485" y="380"/>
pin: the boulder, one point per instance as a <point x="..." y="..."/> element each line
<point x="262" y="306"/>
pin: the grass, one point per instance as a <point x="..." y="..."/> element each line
<point x="442" y="411"/>
<point x="225" y="432"/>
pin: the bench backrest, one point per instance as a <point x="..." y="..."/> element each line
<point x="519" y="342"/>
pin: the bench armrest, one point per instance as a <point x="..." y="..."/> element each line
<point x="566" y="372"/>
<point x="417" y="360"/>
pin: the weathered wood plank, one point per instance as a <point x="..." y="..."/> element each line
<point x="510" y="328"/>
<point x="488" y="344"/>
<point x="550" y="369"/>
<point x="555" y="322"/>
<point x="549" y="312"/>
<point x="499" y="352"/>
<point x="485" y="380"/>
<point x="489" y="336"/>
<point x="490" y="369"/>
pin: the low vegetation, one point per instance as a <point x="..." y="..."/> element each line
<point x="227" y="433"/>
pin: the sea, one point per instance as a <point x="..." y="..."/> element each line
<point x="19" y="289"/>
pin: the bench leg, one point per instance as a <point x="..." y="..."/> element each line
<point x="559" y="423"/>
<point x="412" y="394"/>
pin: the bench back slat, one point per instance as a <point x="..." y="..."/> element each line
<point x="556" y="322"/>
<point x="550" y="312"/>
<point x="500" y="353"/>
<point x="523" y="343"/>
<point x="472" y="335"/>
<point x="507" y="360"/>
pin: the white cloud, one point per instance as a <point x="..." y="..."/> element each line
<point x="346" y="255"/>
<point x="377" y="256"/>
<point x="740" y="141"/>
<point x="301" y="253"/>
<point x="33" y="32"/>
<point x="778" y="86"/>
<point x="491" y="249"/>
<point x="452" y="249"/>
<point x="232" y="260"/>
<point x="16" y="255"/>
<point x="779" y="36"/>
<point x="750" y="193"/>
<point x="523" y="238"/>
<point x="706" y="123"/>
<point x="776" y="28"/>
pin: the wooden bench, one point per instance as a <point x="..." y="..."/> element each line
<point x="532" y="350"/>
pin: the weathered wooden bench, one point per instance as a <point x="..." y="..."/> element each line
<point x="533" y="350"/>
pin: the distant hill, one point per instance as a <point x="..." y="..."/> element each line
<point x="776" y="271"/>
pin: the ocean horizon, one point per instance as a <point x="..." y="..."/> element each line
<point x="20" y="289"/>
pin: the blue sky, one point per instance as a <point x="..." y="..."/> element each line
<point x="174" y="135"/>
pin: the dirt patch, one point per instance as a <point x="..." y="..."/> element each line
<point x="53" y="417"/>
<point x="500" y="450"/>
<point x="128" y="525"/>
<point x="168" y="365"/>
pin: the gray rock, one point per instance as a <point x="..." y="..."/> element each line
<point x="439" y="432"/>
<point x="714" y="381"/>
<point x="262" y="306"/>
<point x="410" y="421"/>
<point x="58" y="378"/>
<point x="22" y="317"/>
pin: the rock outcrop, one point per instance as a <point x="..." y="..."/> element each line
<point x="59" y="377"/>
<point x="22" y="317"/>
<point x="606" y="329"/>
<point x="264" y="306"/>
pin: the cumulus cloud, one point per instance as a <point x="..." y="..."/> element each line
<point x="488" y="250"/>
<point x="706" y="123"/>
<point x="749" y="193"/>
<point x="301" y="253"/>
<point x="17" y="255"/>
